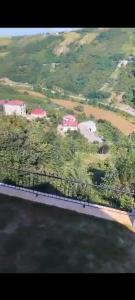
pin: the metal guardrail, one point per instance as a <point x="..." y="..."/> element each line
<point x="63" y="187"/>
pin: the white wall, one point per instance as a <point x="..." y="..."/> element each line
<point x="15" y="109"/>
<point x="65" y="129"/>
<point x="38" y="116"/>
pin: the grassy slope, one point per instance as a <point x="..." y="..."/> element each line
<point x="9" y="93"/>
<point x="86" y="67"/>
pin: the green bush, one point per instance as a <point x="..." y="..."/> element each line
<point x="98" y="95"/>
<point x="126" y="202"/>
<point x="79" y="108"/>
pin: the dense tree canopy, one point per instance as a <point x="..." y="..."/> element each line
<point x="36" y="146"/>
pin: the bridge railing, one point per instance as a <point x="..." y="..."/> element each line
<point x="64" y="187"/>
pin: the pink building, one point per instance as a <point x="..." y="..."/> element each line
<point x="13" y="107"/>
<point x="69" y="122"/>
<point x="2" y="102"/>
<point x="38" y="113"/>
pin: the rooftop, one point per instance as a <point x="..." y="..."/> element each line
<point x="15" y="102"/>
<point x="70" y="123"/>
<point x="69" y="117"/>
<point x="88" y="124"/>
<point x="3" y="102"/>
<point x="38" y="111"/>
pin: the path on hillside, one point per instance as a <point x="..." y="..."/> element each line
<point x="118" y="104"/>
<point x="117" y="121"/>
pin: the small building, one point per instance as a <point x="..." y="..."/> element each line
<point x="88" y="130"/>
<point x="15" y="107"/>
<point x="38" y="113"/>
<point x="69" y="123"/>
<point x="123" y="63"/>
<point x="2" y="102"/>
<point x="69" y="118"/>
<point x="89" y="125"/>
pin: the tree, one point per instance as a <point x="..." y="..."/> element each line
<point x="104" y="149"/>
<point x="121" y="177"/>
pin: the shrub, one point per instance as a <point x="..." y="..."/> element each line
<point x="104" y="149"/>
<point x="99" y="95"/>
<point x="26" y="93"/>
<point x="79" y="108"/>
<point x="126" y="202"/>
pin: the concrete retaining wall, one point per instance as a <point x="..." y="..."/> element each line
<point x="74" y="205"/>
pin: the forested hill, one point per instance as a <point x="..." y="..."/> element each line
<point x="79" y="62"/>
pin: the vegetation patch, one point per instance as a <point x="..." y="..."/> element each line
<point x="88" y="38"/>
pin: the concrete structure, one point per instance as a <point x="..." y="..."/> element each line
<point x="68" y="123"/>
<point x="123" y="63"/>
<point x="38" y="113"/>
<point x="90" y="209"/>
<point x="90" y="126"/>
<point x="2" y="103"/>
<point x="88" y="130"/>
<point x="14" y="107"/>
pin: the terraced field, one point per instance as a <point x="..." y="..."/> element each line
<point x="120" y="122"/>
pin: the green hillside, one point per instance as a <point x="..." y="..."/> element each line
<point x="9" y="93"/>
<point x="79" y="62"/>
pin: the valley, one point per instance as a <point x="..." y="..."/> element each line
<point x="67" y="137"/>
<point x="78" y="74"/>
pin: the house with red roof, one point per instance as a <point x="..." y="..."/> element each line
<point x="2" y="102"/>
<point x="38" y="113"/>
<point x="69" y="123"/>
<point x="14" y="107"/>
<point x="68" y="118"/>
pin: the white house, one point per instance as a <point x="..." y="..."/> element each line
<point x="69" y="122"/>
<point x="38" y="113"/>
<point x="123" y="63"/>
<point x="15" y="107"/>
